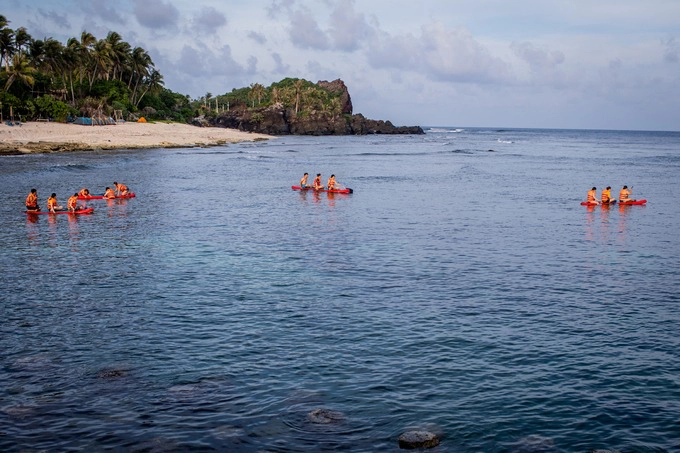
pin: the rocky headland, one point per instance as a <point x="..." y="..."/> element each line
<point x="299" y="107"/>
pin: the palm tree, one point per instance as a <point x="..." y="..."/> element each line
<point x="102" y="61"/>
<point x="153" y="83"/>
<point x="20" y="70"/>
<point x="257" y="91"/>
<point x="119" y="53"/>
<point x="139" y="66"/>
<point x="22" y="39"/>
<point x="7" y="46"/>
<point x="297" y="90"/>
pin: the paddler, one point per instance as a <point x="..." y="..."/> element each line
<point x="332" y="184"/>
<point x="109" y="193"/>
<point x="32" y="201"/>
<point x="72" y="203"/>
<point x="52" y="204"/>
<point x="303" y="181"/>
<point x="607" y="196"/>
<point x="624" y="194"/>
<point x="317" y="182"/>
<point x="121" y="189"/>
<point x="592" y="196"/>
<point x="84" y="192"/>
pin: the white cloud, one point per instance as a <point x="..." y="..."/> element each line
<point x="305" y="32"/>
<point x="156" y="14"/>
<point x="208" y="21"/>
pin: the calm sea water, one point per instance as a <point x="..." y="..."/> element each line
<point x="460" y="289"/>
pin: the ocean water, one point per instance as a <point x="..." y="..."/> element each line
<point x="461" y="289"/>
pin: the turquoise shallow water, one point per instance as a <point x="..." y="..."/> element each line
<point x="460" y="289"/>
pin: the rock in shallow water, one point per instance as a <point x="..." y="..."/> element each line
<point x="324" y="416"/>
<point x="418" y="439"/>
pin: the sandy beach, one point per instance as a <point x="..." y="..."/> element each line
<point x="46" y="137"/>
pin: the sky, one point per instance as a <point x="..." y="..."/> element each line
<point x="573" y="64"/>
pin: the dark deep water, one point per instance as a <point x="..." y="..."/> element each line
<point x="461" y="289"/>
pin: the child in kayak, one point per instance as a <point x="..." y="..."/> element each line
<point x="317" y="182"/>
<point x="592" y="196"/>
<point x="121" y="189"/>
<point x="303" y="181"/>
<point x="52" y="205"/>
<point x="72" y="203"/>
<point x="331" y="184"/>
<point x="624" y="194"/>
<point x="607" y="196"/>
<point x="109" y="193"/>
<point x="32" y="201"/>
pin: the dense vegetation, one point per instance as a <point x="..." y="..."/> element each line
<point x="299" y="95"/>
<point x="84" y="77"/>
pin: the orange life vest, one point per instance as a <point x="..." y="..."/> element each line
<point x="592" y="195"/>
<point x="623" y="195"/>
<point x="72" y="202"/>
<point x="51" y="203"/>
<point x="606" y="195"/>
<point x="110" y="194"/>
<point x="32" y="200"/>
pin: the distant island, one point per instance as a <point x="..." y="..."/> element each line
<point x="295" y="107"/>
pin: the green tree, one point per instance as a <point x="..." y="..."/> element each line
<point x="21" y="71"/>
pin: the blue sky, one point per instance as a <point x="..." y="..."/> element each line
<point x="610" y="64"/>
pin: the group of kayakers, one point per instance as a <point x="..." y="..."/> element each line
<point x="72" y="202"/>
<point x="606" y="196"/>
<point x="331" y="184"/>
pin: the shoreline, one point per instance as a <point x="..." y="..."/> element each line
<point x="51" y="137"/>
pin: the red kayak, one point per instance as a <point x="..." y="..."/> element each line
<point x="100" y="197"/>
<point x="78" y="212"/>
<point x="624" y="203"/>
<point x="347" y="190"/>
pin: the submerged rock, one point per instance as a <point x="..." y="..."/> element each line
<point x="112" y="374"/>
<point x="418" y="439"/>
<point x="325" y="416"/>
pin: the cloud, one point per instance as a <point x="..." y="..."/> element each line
<point x="671" y="49"/>
<point x="440" y="53"/>
<point x="156" y="14"/>
<point x="208" y="20"/>
<point x="59" y="19"/>
<point x="537" y="59"/>
<point x="305" y="33"/>
<point x="107" y="11"/>
<point x="259" y="38"/>
<point x="349" y="29"/>
<point x="280" y="68"/>
<point x="202" y="61"/>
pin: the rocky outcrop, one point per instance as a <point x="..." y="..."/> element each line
<point x="276" y="119"/>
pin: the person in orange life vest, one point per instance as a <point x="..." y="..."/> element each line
<point x="607" y="196"/>
<point x="331" y="184"/>
<point x="32" y="201"/>
<point x="121" y="189"/>
<point x="317" y="182"/>
<point x="52" y="205"/>
<point x="84" y="193"/>
<point x="303" y="181"/>
<point x="624" y="194"/>
<point x="592" y="196"/>
<point x="109" y="193"/>
<point x="72" y="203"/>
